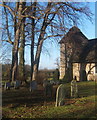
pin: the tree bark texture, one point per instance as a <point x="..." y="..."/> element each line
<point x="14" y="67"/>
<point x="22" y="50"/>
<point x="32" y="41"/>
<point x="82" y="68"/>
<point x="40" y="43"/>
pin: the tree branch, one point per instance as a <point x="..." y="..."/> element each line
<point x="8" y="9"/>
<point x="58" y="35"/>
<point x="9" y="37"/>
<point x="8" y="41"/>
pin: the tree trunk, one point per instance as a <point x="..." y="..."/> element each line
<point x="22" y="51"/>
<point x="82" y="69"/>
<point x="38" y="52"/>
<point x="40" y="43"/>
<point x="32" y="42"/>
<point x="15" y="28"/>
<point x="14" y="67"/>
<point x="70" y="72"/>
<point x="66" y="62"/>
<point x="37" y="58"/>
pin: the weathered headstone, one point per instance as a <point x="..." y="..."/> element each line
<point x="47" y="88"/>
<point x="74" y="89"/>
<point x="17" y="84"/>
<point x="60" y="95"/>
<point x="33" y="85"/>
<point x="7" y="86"/>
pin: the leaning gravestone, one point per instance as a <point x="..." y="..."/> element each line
<point x="33" y="85"/>
<point x="17" y="84"/>
<point x="7" y="86"/>
<point x="74" y="89"/>
<point x="61" y="94"/>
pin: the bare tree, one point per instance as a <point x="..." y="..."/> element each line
<point x="49" y="20"/>
<point x="22" y="49"/>
<point x="16" y="42"/>
<point x="33" y="39"/>
<point x="62" y="11"/>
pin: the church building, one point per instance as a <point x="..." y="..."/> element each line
<point x="78" y="55"/>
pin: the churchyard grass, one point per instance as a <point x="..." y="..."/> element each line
<point x="23" y="104"/>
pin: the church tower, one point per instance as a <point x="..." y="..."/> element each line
<point x="70" y="48"/>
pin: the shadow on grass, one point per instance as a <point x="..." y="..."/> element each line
<point x="23" y="97"/>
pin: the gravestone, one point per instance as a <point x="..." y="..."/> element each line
<point x="17" y="84"/>
<point x="61" y="94"/>
<point x="33" y="85"/>
<point x="74" y="89"/>
<point x="7" y="86"/>
<point x="47" y="88"/>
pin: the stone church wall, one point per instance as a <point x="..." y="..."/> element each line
<point x="76" y="67"/>
<point x="62" y="61"/>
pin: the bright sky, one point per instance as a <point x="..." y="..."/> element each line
<point x="47" y="61"/>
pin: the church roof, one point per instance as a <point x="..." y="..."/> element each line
<point x="74" y="35"/>
<point x="89" y="52"/>
<point x="85" y="50"/>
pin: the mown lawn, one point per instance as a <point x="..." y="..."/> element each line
<point x="23" y="104"/>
